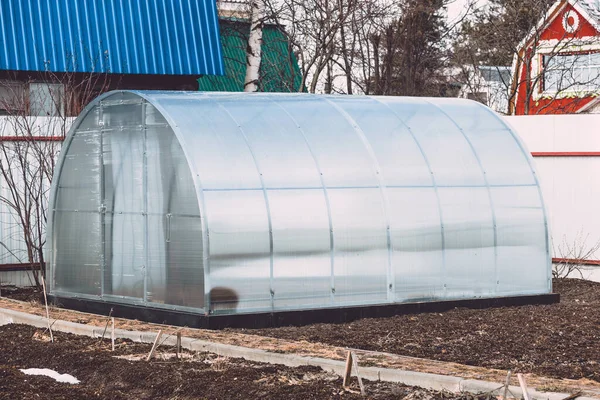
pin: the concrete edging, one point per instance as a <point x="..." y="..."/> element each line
<point x="411" y="378"/>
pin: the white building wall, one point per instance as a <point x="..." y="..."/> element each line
<point x="558" y="133"/>
<point x="570" y="182"/>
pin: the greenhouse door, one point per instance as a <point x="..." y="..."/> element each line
<point x="124" y="213"/>
<point x="152" y="229"/>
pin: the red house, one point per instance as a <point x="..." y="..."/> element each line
<point x="557" y="67"/>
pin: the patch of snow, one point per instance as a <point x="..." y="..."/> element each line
<point x="64" y="378"/>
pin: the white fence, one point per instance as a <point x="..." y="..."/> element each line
<point x="566" y="150"/>
<point x="13" y="250"/>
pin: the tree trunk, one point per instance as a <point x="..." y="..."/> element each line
<point x="253" y="50"/>
<point x="376" y="41"/>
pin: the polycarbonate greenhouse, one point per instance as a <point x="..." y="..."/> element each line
<point x="215" y="203"/>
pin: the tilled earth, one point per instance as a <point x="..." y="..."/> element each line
<point x="559" y="340"/>
<point x="124" y="374"/>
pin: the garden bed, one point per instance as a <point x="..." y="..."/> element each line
<point x="558" y="340"/>
<point x="125" y="374"/>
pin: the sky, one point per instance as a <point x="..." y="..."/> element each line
<point x="456" y="8"/>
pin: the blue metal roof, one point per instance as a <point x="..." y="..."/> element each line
<point x="175" y="37"/>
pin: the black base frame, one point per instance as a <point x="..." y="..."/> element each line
<point x="291" y="318"/>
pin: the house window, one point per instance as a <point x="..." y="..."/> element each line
<point x="571" y="72"/>
<point x="46" y="99"/>
<point x="12" y="99"/>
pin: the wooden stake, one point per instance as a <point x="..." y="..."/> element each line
<point x="106" y="326"/>
<point x="348" y="370"/>
<point x="112" y="333"/>
<point x="573" y="396"/>
<point x="360" y="382"/>
<point x="47" y="309"/>
<point x="506" y="384"/>
<point x="178" y="344"/>
<point x="523" y="386"/>
<point x="155" y="345"/>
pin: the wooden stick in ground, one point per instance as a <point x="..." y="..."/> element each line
<point x="112" y="333"/>
<point x="154" y="346"/>
<point x="47" y="309"/>
<point x="106" y="326"/>
<point x="523" y="386"/>
<point x="506" y="384"/>
<point x="360" y="382"/>
<point x="573" y="396"/>
<point x="348" y="371"/>
<point x="178" y="344"/>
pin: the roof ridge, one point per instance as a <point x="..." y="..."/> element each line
<point x="591" y="6"/>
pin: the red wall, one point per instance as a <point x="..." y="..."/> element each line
<point x="556" y="31"/>
<point x="554" y="106"/>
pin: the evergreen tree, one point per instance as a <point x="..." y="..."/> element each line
<point x="492" y="35"/>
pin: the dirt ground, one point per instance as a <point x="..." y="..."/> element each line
<point x="22" y="294"/>
<point x="547" y="343"/>
<point x="124" y="374"/>
<point x="559" y="340"/>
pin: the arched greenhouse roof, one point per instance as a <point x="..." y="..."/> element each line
<point x="238" y="203"/>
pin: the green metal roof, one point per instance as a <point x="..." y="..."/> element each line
<point x="279" y="70"/>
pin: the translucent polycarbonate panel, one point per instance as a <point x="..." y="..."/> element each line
<point x="91" y="120"/>
<point x="361" y="261"/>
<point x="522" y="236"/>
<point x="125" y="254"/>
<point x="240" y="267"/>
<point x="226" y="162"/>
<point x="175" y="246"/>
<point x="77" y="228"/>
<point x="394" y="147"/>
<point x="500" y="154"/>
<point x="122" y="110"/>
<point x="149" y="234"/>
<point x="416" y="236"/>
<point x="275" y="140"/>
<point x="157" y="259"/>
<point x="123" y="173"/>
<point x="77" y="252"/>
<point x="307" y="202"/>
<point x="154" y="117"/>
<point x="181" y="263"/>
<point x="342" y="156"/>
<point x="124" y="201"/>
<point x="170" y="184"/>
<point x="448" y="152"/>
<point x="301" y="248"/>
<point x="469" y="264"/>
<point x="79" y="187"/>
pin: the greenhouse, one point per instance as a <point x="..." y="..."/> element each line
<point x="229" y="203"/>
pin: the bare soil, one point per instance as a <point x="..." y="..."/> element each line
<point x="124" y="374"/>
<point x="547" y="343"/>
<point x="22" y="294"/>
<point x="559" y="340"/>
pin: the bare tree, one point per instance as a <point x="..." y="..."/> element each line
<point x="368" y="46"/>
<point x="326" y="37"/>
<point x="573" y="257"/>
<point x="37" y="116"/>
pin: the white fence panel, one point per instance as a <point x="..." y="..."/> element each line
<point x="13" y="249"/>
<point x="569" y="172"/>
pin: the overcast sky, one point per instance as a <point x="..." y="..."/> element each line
<point x="457" y="8"/>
